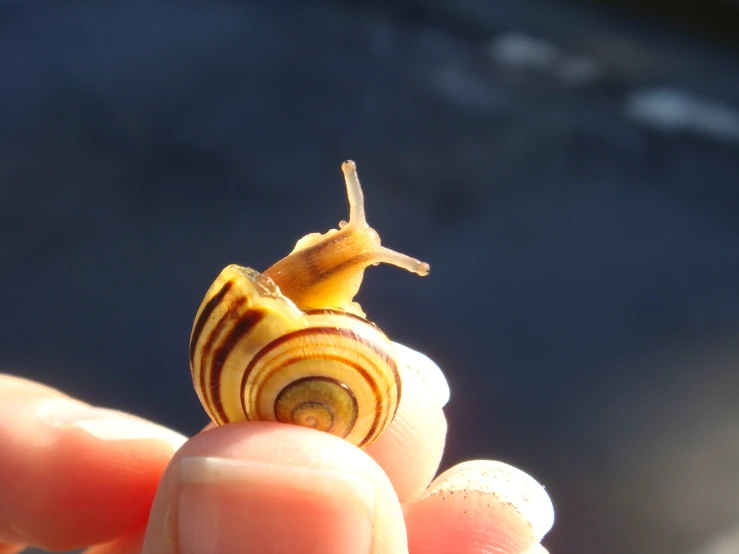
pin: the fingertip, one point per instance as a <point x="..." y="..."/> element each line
<point x="427" y="370"/>
<point x="256" y="485"/>
<point x="480" y="506"/>
<point x="222" y="502"/>
<point x="509" y="485"/>
<point x="411" y="449"/>
<point x="74" y="475"/>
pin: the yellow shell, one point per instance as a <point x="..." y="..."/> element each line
<point x="290" y="345"/>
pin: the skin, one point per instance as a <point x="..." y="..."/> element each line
<point x="74" y="476"/>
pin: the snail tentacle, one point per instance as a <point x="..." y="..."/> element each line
<point x="326" y="270"/>
<point x="354" y="193"/>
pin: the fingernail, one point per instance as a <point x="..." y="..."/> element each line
<point x="108" y="425"/>
<point x="510" y="485"/>
<point x="427" y="370"/>
<point x="230" y="506"/>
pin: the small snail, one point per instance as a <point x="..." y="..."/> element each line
<point x="290" y="345"/>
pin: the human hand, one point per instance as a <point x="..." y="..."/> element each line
<point x="72" y="475"/>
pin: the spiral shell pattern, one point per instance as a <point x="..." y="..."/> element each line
<point x="255" y="356"/>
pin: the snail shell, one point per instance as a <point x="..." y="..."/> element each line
<point x="290" y="345"/>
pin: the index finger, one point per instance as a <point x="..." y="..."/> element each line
<point x="74" y="475"/>
<point x="410" y="450"/>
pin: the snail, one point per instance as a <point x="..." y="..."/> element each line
<point x="291" y="345"/>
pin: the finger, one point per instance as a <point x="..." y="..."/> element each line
<point x="410" y="450"/>
<point x="274" y="488"/>
<point x="480" y="506"/>
<point x="427" y="370"/>
<point x="73" y="475"/>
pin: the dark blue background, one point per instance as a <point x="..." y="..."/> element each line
<point x="583" y="298"/>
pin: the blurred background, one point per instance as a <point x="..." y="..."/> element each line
<point x="569" y="169"/>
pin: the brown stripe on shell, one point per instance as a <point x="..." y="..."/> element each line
<point x="205" y="357"/>
<point x="398" y="384"/>
<point x="205" y="315"/>
<point x="245" y="324"/>
<point x="328" y="331"/>
<point x="372" y="431"/>
<point x="355" y="366"/>
<point x="370" y="434"/>
<point x="334" y="311"/>
<point x="320" y="378"/>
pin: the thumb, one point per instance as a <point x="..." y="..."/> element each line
<point x="273" y="488"/>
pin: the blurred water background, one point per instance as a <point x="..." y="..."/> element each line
<point x="570" y="170"/>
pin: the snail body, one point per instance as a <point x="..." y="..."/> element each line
<point x="290" y="345"/>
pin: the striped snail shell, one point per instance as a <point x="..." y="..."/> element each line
<point x="290" y="345"/>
